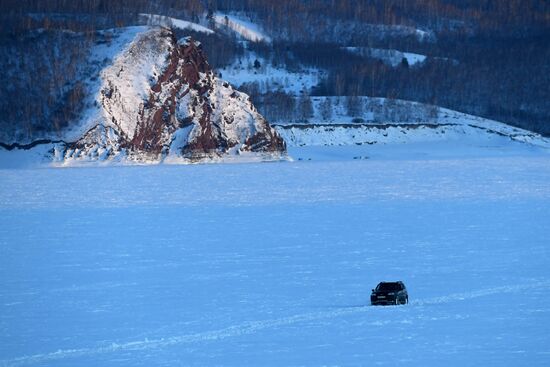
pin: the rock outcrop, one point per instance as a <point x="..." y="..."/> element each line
<point x="161" y="100"/>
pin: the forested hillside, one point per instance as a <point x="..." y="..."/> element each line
<point x="488" y="58"/>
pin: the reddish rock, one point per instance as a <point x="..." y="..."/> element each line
<point x="186" y="95"/>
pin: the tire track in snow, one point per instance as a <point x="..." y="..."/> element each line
<point x="480" y="293"/>
<point x="231" y="331"/>
<point x="252" y="327"/>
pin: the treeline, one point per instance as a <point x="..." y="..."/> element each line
<point x="488" y="57"/>
<point x="182" y="7"/>
<point x="502" y="79"/>
<point x="220" y="48"/>
<point x="43" y="90"/>
<point x="294" y="16"/>
<point x="280" y="107"/>
<point x="18" y="16"/>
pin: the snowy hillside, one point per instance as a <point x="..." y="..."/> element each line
<point x="268" y="77"/>
<point x="112" y="44"/>
<point x="157" y="99"/>
<point x="169" y="22"/>
<point x="392" y="133"/>
<point x="242" y="26"/>
<point x="149" y="99"/>
<point x="383" y="121"/>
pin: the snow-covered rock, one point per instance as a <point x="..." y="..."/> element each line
<point x="159" y="98"/>
<point x="159" y="86"/>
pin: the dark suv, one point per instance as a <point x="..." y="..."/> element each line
<point x="389" y="293"/>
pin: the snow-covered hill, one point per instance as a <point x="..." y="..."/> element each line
<point x="156" y="100"/>
<point x="150" y="99"/>
<point x="383" y="121"/>
<point x="395" y="133"/>
<point x="268" y="77"/>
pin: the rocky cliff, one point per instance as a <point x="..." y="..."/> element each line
<point x="159" y="100"/>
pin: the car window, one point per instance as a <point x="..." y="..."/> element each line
<point x="388" y="287"/>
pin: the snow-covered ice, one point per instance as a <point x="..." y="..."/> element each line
<point x="273" y="263"/>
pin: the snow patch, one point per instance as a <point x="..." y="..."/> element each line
<point x="164" y="21"/>
<point x="268" y="76"/>
<point x="244" y="27"/>
<point x="391" y="57"/>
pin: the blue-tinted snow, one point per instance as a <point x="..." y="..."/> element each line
<point x="272" y="264"/>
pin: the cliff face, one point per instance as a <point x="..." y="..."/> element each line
<point x="160" y="99"/>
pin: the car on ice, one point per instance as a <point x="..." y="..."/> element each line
<point x="389" y="293"/>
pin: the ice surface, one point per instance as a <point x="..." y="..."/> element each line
<point x="272" y="264"/>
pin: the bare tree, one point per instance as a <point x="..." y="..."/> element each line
<point x="354" y="106"/>
<point x="305" y="107"/>
<point x="325" y="108"/>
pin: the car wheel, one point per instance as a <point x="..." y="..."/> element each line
<point x="397" y="302"/>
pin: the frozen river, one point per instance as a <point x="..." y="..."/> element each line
<point x="272" y="264"/>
